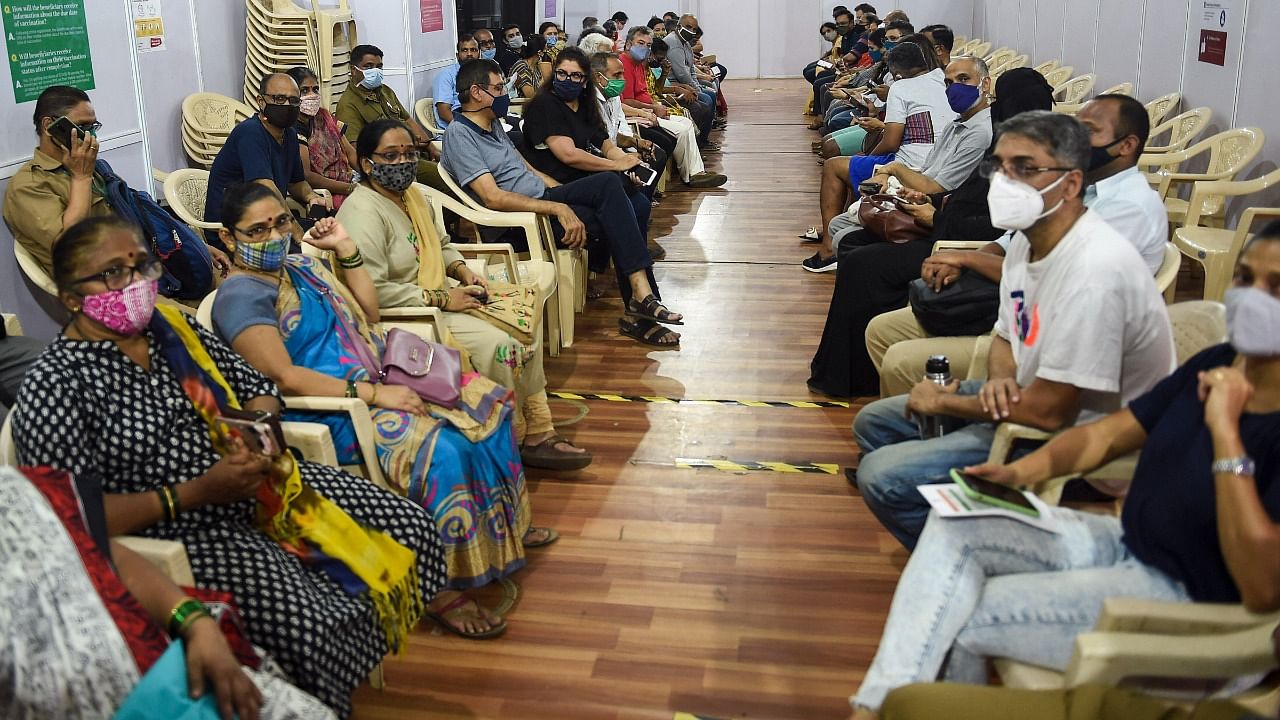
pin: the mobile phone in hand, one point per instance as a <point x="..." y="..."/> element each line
<point x="317" y="211"/>
<point x="1001" y="496"/>
<point x="60" y="130"/>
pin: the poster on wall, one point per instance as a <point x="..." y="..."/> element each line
<point x="148" y="25"/>
<point x="432" y="15"/>
<point x="1212" y="19"/>
<point x="550" y="10"/>
<point x="48" y="44"/>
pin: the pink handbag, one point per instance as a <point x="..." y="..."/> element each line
<point x="431" y="370"/>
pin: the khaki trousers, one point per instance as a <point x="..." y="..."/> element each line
<point x="899" y="348"/>
<point x="496" y="355"/>
<point x="927" y="701"/>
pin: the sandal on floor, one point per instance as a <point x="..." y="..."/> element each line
<point x="648" y="332"/>
<point x="551" y="537"/>
<point x="456" y="608"/>
<point x="545" y="456"/>
<point x="651" y="309"/>
<point x="811" y="235"/>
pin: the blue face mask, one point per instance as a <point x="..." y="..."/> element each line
<point x="489" y="54"/>
<point x="961" y="97"/>
<point x="501" y="104"/>
<point x="372" y="78"/>
<point x="876" y="55"/>
<point x="657" y="72"/>
<point x="890" y="44"/>
<point x="639" y="53"/>
<point x="568" y="90"/>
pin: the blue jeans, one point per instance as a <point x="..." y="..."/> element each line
<point x="995" y="587"/>
<point x="897" y="460"/>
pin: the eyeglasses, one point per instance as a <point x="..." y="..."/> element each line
<point x="283" y="99"/>
<point x="488" y="44"/>
<point x="91" y="128"/>
<point x="1021" y="170"/>
<point x="118" y="277"/>
<point x="574" y="76"/>
<point x="259" y="233"/>
<point x="398" y="157"/>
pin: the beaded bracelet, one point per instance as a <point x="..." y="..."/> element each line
<point x="187" y="611"/>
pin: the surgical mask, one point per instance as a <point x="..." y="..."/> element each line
<point x="1253" y="321"/>
<point x="567" y="90"/>
<point x="516" y="42"/>
<point x="1099" y="157"/>
<point x="310" y="105"/>
<point x="614" y="88"/>
<point x="266" y="256"/>
<point x="125" y="311"/>
<point x="488" y="54"/>
<point x="281" y="116"/>
<point x="657" y="72"/>
<point x="639" y="53"/>
<point x="396" y="177"/>
<point x="551" y="40"/>
<point x="876" y="55"/>
<point x="961" y="97"/>
<point x="830" y="36"/>
<point x="372" y="78"/>
<point x="1016" y="205"/>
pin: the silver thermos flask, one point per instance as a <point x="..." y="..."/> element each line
<point x="937" y="370"/>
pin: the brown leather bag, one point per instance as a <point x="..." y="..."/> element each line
<point x="880" y="216"/>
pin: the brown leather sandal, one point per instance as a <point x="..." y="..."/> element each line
<point x="545" y="456"/>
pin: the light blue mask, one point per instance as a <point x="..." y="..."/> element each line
<point x="639" y="53"/>
<point x="488" y="54"/>
<point x="657" y="72"/>
<point x="372" y="78"/>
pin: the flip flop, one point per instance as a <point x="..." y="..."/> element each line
<point x="647" y="332"/>
<point x="441" y="619"/>
<point x="545" y="456"/>
<point x="551" y="537"/>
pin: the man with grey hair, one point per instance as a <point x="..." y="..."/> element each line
<point x="1081" y="330"/>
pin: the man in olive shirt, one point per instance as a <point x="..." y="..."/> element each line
<point x="58" y="187"/>
<point x="367" y="99"/>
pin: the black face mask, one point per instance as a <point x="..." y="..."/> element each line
<point x="688" y="35"/>
<point x="1099" y="157"/>
<point x="281" y="116"/>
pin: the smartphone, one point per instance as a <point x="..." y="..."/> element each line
<point x="60" y="130"/>
<point x="260" y="432"/>
<point x="1001" y="496"/>
<point x="316" y="212"/>
<point x="646" y="174"/>
<point x="825" y="64"/>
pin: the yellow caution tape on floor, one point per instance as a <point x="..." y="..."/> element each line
<point x="804" y="404"/>
<point x="738" y="466"/>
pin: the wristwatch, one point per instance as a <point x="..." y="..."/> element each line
<point x="1242" y="465"/>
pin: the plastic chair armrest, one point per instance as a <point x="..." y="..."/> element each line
<point x="1107" y="658"/>
<point x="942" y="245"/>
<point x="1007" y="434"/>
<point x="167" y="555"/>
<point x="1135" y="615"/>
<point x="12" y="325"/>
<point x="411" y="313"/>
<point x="313" y="440"/>
<point x="360" y="418"/>
<point x="507" y="252"/>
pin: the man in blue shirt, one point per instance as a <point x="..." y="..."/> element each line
<point x="263" y="149"/>
<point x="445" y="89"/>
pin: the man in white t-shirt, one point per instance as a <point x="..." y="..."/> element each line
<point x="1082" y="329"/>
<point x="916" y="112"/>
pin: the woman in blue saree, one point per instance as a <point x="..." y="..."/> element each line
<point x="313" y="335"/>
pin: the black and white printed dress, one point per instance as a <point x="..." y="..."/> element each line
<point x="85" y="407"/>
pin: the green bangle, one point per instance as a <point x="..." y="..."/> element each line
<point x="182" y="614"/>
<point x="351" y="389"/>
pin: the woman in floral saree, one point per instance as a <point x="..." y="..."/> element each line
<point x="290" y="318"/>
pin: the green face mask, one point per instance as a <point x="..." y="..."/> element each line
<point x="614" y="88"/>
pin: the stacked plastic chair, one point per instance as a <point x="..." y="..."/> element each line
<point x="207" y="120"/>
<point x="280" y="35"/>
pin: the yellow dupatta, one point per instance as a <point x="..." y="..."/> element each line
<point x="305" y="522"/>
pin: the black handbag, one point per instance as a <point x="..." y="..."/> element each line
<point x="967" y="306"/>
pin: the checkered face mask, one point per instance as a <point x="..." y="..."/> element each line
<point x="265" y="256"/>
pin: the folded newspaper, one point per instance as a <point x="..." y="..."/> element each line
<point x="949" y="500"/>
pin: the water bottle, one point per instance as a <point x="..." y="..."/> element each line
<point x="937" y="370"/>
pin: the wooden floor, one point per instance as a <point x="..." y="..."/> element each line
<point x="719" y="593"/>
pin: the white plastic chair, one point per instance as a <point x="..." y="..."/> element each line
<point x="1182" y="130"/>
<point x="1217" y="249"/>
<point x="1159" y="109"/>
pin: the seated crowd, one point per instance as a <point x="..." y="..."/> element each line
<point x="1070" y="237"/>
<point x="140" y="419"/>
<point x="147" y="422"/>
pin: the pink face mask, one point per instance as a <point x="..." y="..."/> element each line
<point x="126" y="311"/>
<point x="310" y="105"/>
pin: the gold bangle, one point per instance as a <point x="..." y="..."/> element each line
<point x="374" y="400"/>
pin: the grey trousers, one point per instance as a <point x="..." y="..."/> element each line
<point x="16" y="355"/>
